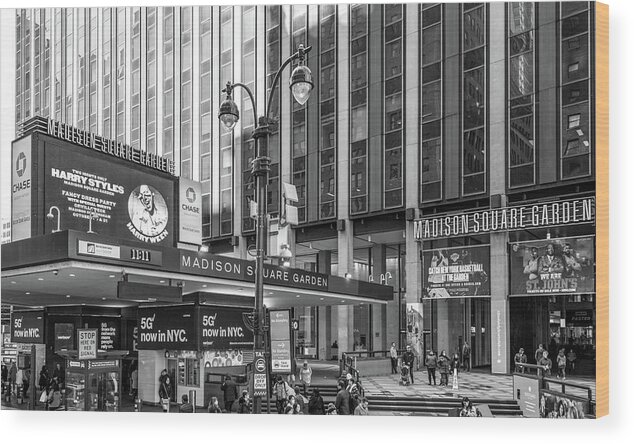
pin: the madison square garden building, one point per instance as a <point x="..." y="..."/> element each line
<point x="446" y="151"/>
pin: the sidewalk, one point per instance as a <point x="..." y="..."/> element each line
<point x="470" y="384"/>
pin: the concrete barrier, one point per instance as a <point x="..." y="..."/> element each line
<point x="374" y="366"/>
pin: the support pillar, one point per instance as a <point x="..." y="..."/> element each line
<point x="324" y="339"/>
<point x="377" y="326"/>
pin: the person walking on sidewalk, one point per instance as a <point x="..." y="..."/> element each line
<point x="561" y="364"/>
<point x="244" y="403"/>
<point x="316" y="403"/>
<point x="431" y="362"/>
<point x="539" y="353"/>
<point x="165" y="392"/>
<point x="466" y="357"/>
<point x="394" y="358"/>
<point x="305" y="376"/>
<point x="408" y="359"/>
<point x="13" y="375"/>
<point x="282" y="391"/>
<point x="571" y="358"/>
<point x="342" y="402"/>
<point x="455" y="368"/>
<point x="230" y="391"/>
<point x="520" y="358"/>
<point x="546" y="363"/>
<point x="443" y="367"/>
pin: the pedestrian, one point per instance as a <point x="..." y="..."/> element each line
<point x="305" y="375"/>
<point x="561" y="364"/>
<point x="571" y="358"/>
<point x="134" y="382"/>
<point x="213" y="406"/>
<point x="292" y="408"/>
<point x="362" y="408"/>
<point x="342" y="402"/>
<point x="244" y="403"/>
<point x="163" y="376"/>
<point x="5" y="376"/>
<point x="394" y="358"/>
<point x="539" y="353"/>
<point x="331" y="409"/>
<point x="431" y="362"/>
<point x="408" y="359"/>
<point x="316" y="403"/>
<point x="545" y="363"/>
<point x="59" y="372"/>
<point x="186" y="406"/>
<point x="230" y="391"/>
<point x="301" y="400"/>
<point x="165" y="392"/>
<point x="13" y="375"/>
<point x="455" y="366"/>
<point x="26" y="381"/>
<point x="19" y="378"/>
<point x="54" y="397"/>
<point x="468" y="409"/>
<point x="44" y="378"/>
<point x="520" y="358"/>
<point x="282" y="391"/>
<point x="466" y="357"/>
<point x="444" y="366"/>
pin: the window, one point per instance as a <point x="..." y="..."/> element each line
<point x="189" y="372"/>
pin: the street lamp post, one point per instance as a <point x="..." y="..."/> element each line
<point x="301" y="85"/>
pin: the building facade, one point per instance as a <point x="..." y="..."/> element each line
<point x="418" y="110"/>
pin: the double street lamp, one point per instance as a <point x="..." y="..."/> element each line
<point x="301" y="85"/>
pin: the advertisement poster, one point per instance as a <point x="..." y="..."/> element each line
<point x="222" y="358"/>
<point x="190" y="212"/>
<point x="564" y="265"/>
<point x="415" y="328"/>
<point x="559" y="406"/>
<point x="86" y="343"/>
<point x="167" y="328"/>
<point x="122" y="201"/>
<point x="224" y="329"/>
<point x="64" y="336"/>
<point x="526" y="393"/>
<point x="281" y="353"/>
<point x="456" y="272"/>
<point x="108" y="335"/>
<point x="21" y="189"/>
<point x="27" y="327"/>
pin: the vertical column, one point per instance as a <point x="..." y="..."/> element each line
<point x="241" y="249"/>
<point x="345" y="245"/>
<point x="497" y="184"/>
<point x="99" y="70"/>
<point x="324" y="339"/>
<point x="195" y="119"/>
<point x="377" y="328"/>
<point x="160" y="15"/>
<point x="128" y="75"/>
<point x="177" y="89"/>
<point x="217" y="96"/>
<point x="286" y="153"/>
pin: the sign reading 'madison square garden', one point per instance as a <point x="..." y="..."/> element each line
<point x="520" y="217"/>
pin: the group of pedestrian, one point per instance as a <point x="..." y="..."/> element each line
<point x="443" y="363"/>
<point x="17" y="380"/>
<point x="349" y="400"/>
<point x="542" y="358"/>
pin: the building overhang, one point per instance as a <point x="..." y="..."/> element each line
<point x="72" y="267"/>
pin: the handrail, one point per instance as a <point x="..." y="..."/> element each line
<point x="563" y="385"/>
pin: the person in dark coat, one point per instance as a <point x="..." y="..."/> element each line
<point x="316" y="403"/>
<point x="13" y="375"/>
<point x="44" y="378"/>
<point x="5" y="376"/>
<point x="244" y="403"/>
<point x="165" y="392"/>
<point x="443" y="367"/>
<point x="431" y="362"/>
<point x="186" y="406"/>
<point x="342" y="402"/>
<point x="408" y="359"/>
<point x="59" y="372"/>
<point x="230" y="391"/>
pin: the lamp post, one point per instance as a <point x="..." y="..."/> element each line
<point x="301" y="85"/>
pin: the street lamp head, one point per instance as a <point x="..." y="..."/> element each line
<point x="228" y="113"/>
<point x="301" y="83"/>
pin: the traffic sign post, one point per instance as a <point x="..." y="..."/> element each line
<point x="260" y="378"/>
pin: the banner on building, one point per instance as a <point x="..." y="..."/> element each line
<point x="190" y="212"/>
<point x="27" y="327"/>
<point x="553" y="266"/>
<point x="122" y="201"/>
<point x="21" y="185"/>
<point x="167" y="328"/>
<point x="456" y="272"/>
<point x="223" y="328"/>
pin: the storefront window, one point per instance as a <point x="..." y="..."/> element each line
<point x="189" y="372"/>
<point x="306" y="339"/>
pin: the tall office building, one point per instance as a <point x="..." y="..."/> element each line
<point x="418" y="110"/>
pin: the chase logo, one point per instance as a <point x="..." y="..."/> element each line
<point x="20" y="164"/>
<point x="190" y="195"/>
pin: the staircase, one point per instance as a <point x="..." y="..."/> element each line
<point x="327" y="392"/>
<point x="427" y="406"/>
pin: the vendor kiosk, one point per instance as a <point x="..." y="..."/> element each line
<point x="94" y="384"/>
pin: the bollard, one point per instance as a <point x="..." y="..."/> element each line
<point x="192" y="398"/>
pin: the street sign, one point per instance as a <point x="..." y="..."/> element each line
<point x="87" y="343"/>
<point x="295" y="324"/>
<point x="259" y="376"/>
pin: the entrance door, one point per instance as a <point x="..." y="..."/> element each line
<point x="103" y="391"/>
<point x="172" y="364"/>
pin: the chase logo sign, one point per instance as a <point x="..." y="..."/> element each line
<point x="20" y="164"/>
<point x="190" y="194"/>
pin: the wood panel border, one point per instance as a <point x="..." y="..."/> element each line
<point x="602" y="58"/>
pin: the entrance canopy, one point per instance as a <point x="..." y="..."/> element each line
<point x="71" y="267"/>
